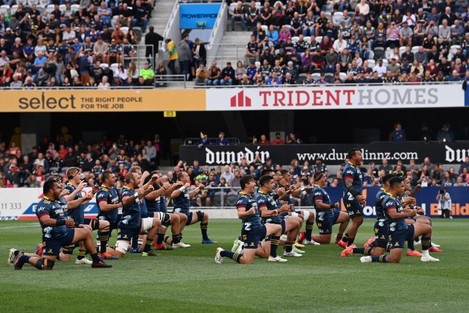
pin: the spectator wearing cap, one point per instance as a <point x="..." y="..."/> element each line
<point x="405" y="35"/>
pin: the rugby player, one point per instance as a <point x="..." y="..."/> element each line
<point x="352" y="196"/>
<point x="326" y="212"/>
<point x="398" y="229"/>
<point x="57" y="231"/>
<point x="253" y="230"/>
<point x="181" y="201"/>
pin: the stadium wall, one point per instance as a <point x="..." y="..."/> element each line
<point x="21" y="203"/>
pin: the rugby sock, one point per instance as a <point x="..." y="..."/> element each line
<point x="382" y="258"/>
<point x="24" y="258"/>
<point x="359" y="250"/>
<point x="345" y="238"/>
<point x="235" y="256"/>
<point x="176" y="238"/>
<point x="426" y="243"/>
<point x="203" y="229"/>
<point x="148" y="244"/>
<point x="159" y="239"/>
<point x="338" y="238"/>
<point x="364" y="251"/>
<point x="350" y="241"/>
<point x="104" y="238"/>
<point x="288" y="246"/>
<point x="135" y="242"/>
<point x="81" y="254"/>
<point x="95" y="258"/>
<point x="309" y="230"/>
<point x="410" y="244"/>
<point x="274" y="244"/>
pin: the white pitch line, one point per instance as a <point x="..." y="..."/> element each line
<point x="22" y="226"/>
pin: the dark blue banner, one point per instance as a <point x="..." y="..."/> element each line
<point x="426" y="198"/>
<point x="202" y="15"/>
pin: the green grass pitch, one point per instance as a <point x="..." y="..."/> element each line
<point x="189" y="280"/>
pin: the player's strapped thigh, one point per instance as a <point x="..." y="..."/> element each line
<point x="381" y="234"/>
<point x="123" y="239"/>
<point x="164" y="218"/>
<point x="147" y="224"/>
<point x="93" y="222"/>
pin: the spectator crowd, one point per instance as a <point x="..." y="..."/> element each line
<point x="72" y="44"/>
<point x="318" y="42"/>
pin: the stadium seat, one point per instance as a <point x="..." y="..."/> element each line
<point x="288" y="26"/>
<point x="319" y="39"/>
<point x="75" y="7"/>
<point x="295" y="39"/>
<point x="307" y="39"/>
<point x="316" y="76"/>
<point x="401" y="50"/>
<point x="379" y="53"/>
<point x="125" y="29"/>
<point x="336" y="17"/>
<point x="385" y="62"/>
<point x="453" y="49"/>
<point x="115" y="68"/>
<point x="258" y="64"/>
<point x="371" y="63"/>
<point x="258" y="5"/>
<point x="50" y="8"/>
<point x="23" y="2"/>
<point x="4" y="8"/>
<point x="62" y="8"/>
<point x="45" y="3"/>
<point x="342" y="76"/>
<point x="329" y="76"/>
<point x="104" y="65"/>
<point x="265" y="28"/>
<point x="415" y="49"/>
<point x="301" y="79"/>
<point x="387" y="53"/>
<point x="31" y="2"/>
<point x="40" y="8"/>
<point x="138" y="32"/>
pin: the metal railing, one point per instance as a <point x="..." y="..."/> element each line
<point x="212" y="140"/>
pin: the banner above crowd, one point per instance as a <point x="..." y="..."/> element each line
<point x="235" y="99"/>
<point x="331" y="154"/>
<point x="336" y="98"/>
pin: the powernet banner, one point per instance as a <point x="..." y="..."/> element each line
<point x="446" y="153"/>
